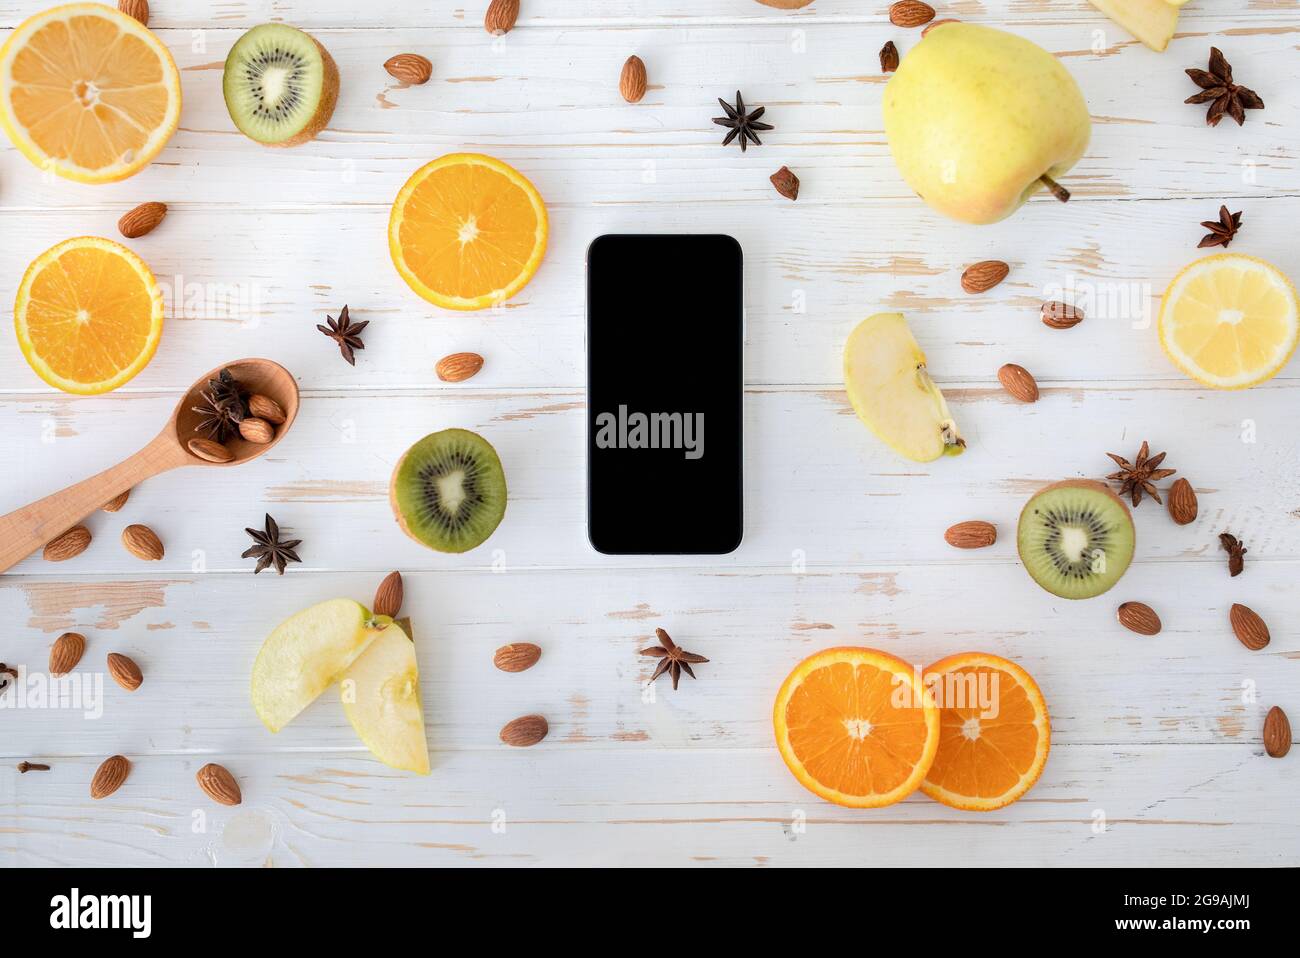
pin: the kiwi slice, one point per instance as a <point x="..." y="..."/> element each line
<point x="280" y="85"/>
<point x="1076" y="538"/>
<point x="449" y="491"/>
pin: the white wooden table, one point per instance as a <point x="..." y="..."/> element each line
<point x="1156" y="754"/>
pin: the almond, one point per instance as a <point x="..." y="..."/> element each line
<point x="517" y="656"/>
<point x="117" y="502"/>
<point x="936" y="23"/>
<point x="501" y="16"/>
<point x="983" y="276"/>
<point x="388" y="597"/>
<point x="257" y="431"/>
<point x="124" y="671"/>
<point x="209" y="450"/>
<point x="66" y="652"/>
<point x="137" y="9"/>
<point x="632" y="83"/>
<point x="458" y="367"/>
<point x="910" y="13"/>
<point x="410" y="68"/>
<point x="973" y="534"/>
<point x="109" y="776"/>
<point x="525" y="731"/>
<point x="785" y="183"/>
<point x="142" y="542"/>
<point x="72" y="543"/>
<point x="785" y="4"/>
<point x="1249" y="627"/>
<point x="1017" y="381"/>
<point x="219" y="784"/>
<point x="1182" y="502"/>
<point x="141" y="220"/>
<point x="1277" y="733"/>
<point x="1139" y="617"/>
<point x="264" y="407"/>
<point x="1061" y="315"/>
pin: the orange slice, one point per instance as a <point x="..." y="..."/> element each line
<point x="467" y="231"/>
<point x="995" y="732"/>
<point x="88" y="92"/>
<point x="856" y="727"/>
<point x="88" y="315"/>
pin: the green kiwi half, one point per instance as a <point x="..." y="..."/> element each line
<point x="280" y="85"/>
<point x="449" y="491"/>
<point x="1076" y="538"/>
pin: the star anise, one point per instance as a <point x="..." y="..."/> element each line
<point x="223" y="407"/>
<point x="346" y="333"/>
<point x="1217" y="86"/>
<point x="1236" y="553"/>
<point x="269" y="550"/>
<point x="1223" y="231"/>
<point x="673" y="659"/>
<point x="1141" y="476"/>
<point x="741" y="124"/>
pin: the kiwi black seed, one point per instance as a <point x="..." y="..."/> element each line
<point x="1076" y="538"/>
<point x="448" y="491"/>
<point x="280" y="85"/>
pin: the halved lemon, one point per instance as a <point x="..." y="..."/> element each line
<point x="89" y="315"/>
<point x="994" y="732"/>
<point x="467" y="231"/>
<point x="1230" y="321"/>
<point x="88" y="92"/>
<point x="856" y="726"/>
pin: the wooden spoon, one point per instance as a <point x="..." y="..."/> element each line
<point x="25" y="530"/>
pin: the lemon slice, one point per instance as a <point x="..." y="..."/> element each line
<point x="88" y="92"/>
<point x="1230" y="321"/>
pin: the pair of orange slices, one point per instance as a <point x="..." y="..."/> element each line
<point x="862" y="728"/>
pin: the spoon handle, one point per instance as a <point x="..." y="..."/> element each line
<point x="25" y="530"/>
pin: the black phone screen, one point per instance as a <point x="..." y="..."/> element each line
<point x="665" y="331"/>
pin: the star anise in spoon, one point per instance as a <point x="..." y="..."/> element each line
<point x="223" y="407"/>
<point x="1217" y="86"/>
<point x="1140" y="476"/>
<point x="1236" y="553"/>
<point x="1222" y="232"/>
<point x="741" y="124"/>
<point x="270" y="550"/>
<point x="673" y="659"/>
<point x="346" y="333"/>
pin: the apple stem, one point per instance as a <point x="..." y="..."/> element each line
<point x="1057" y="190"/>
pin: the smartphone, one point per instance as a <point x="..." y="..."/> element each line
<point x="665" y="336"/>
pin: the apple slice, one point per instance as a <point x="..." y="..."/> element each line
<point x="306" y="653"/>
<point x="884" y="372"/>
<point x="381" y="697"/>
<point x="1151" y="21"/>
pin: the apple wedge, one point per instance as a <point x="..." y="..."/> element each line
<point x="1151" y="21"/>
<point x="884" y="373"/>
<point x="306" y="653"/>
<point x="381" y="697"/>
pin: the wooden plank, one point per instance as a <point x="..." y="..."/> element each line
<point x="1095" y="805"/>
<point x="817" y="482"/>
<point x="560" y="119"/>
<point x="812" y="273"/>
<point x="195" y="638"/>
<point x="617" y="14"/>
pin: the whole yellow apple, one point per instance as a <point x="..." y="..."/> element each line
<point x="979" y="119"/>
